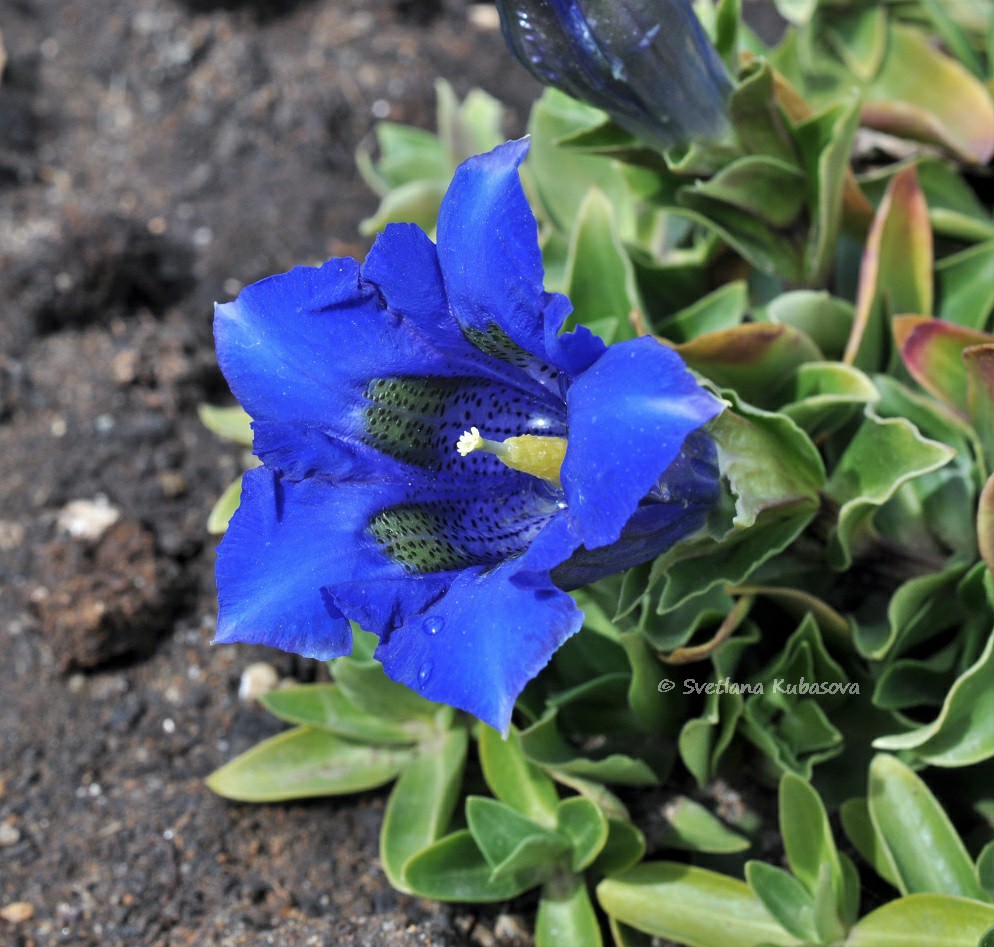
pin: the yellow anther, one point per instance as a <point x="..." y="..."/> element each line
<point x="539" y="456"/>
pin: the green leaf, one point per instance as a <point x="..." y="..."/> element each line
<point x="454" y="869"/>
<point x="624" y="848"/>
<point x="826" y="396"/>
<point x="543" y="744"/>
<point x="416" y="203"/>
<point x="784" y="897"/>
<point x="896" y="274"/>
<point x="963" y="733"/>
<point x="511" y="842"/>
<point x="233" y="424"/>
<point x="923" y="849"/>
<point x="923" y="920"/>
<point x="566" y="915"/>
<point x="304" y="762"/>
<point x="807" y="836"/>
<point x="965" y="286"/>
<point x="600" y="278"/>
<point x="422" y="802"/>
<point x="985" y="870"/>
<point x="514" y="779"/>
<point x="562" y="177"/>
<point x="222" y="511"/>
<point x="952" y="109"/>
<point x="825" y="143"/>
<point x="582" y="822"/>
<point x="825" y="319"/>
<point x="858" y="826"/>
<point x="885" y="454"/>
<point x="704" y="740"/>
<point x="757" y="360"/>
<point x="365" y="684"/>
<point x="721" y="309"/>
<point x="690" y="906"/>
<point x="325" y="707"/>
<point x="933" y="352"/>
<point x="694" y="828"/>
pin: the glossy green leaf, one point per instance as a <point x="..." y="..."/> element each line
<point x="807" y="836"/>
<point x="566" y="915"/>
<point x="543" y="744"/>
<point x="859" y="829"/>
<point x="690" y="906"/>
<point x="422" y="802"/>
<point x="600" y="278"/>
<point x="304" y="762"/>
<point x="694" y="828"/>
<point x="758" y="359"/>
<point x="365" y="684"/>
<point x="766" y="188"/>
<point x="963" y="733"/>
<point x="509" y="841"/>
<point x="326" y="707"/>
<point x="965" y="286"/>
<point x="514" y="779"/>
<point x="979" y="362"/>
<point x="933" y="352"/>
<point x="952" y="109"/>
<point x="896" y="274"/>
<point x="704" y="740"/>
<point x="825" y="319"/>
<point x="716" y="311"/>
<point x="624" y="848"/>
<point x="923" y="849"/>
<point x="985" y="523"/>
<point x="787" y="900"/>
<point x="222" y="511"/>
<point x="454" y="869"/>
<point x="985" y="870"/>
<point x="233" y="424"/>
<point x="581" y="822"/>
<point x="885" y="454"/>
<point x="826" y="396"/>
<point x="923" y="920"/>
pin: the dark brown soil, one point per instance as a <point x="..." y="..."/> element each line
<point x="154" y="156"/>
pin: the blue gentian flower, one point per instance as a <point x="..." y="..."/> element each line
<point x="384" y="397"/>
<point x="648" y="63"/>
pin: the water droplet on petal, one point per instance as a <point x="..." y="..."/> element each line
<point x="432" y="624"/>
<point x="424" y="672"/>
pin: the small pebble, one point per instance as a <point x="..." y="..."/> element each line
<point x="18" y="912"/>
<point x="257" y="679"/>
<point x="88" y="519"/>
<point x="8" y="835"/>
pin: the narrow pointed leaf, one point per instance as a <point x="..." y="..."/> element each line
<point x="303" y="763"/>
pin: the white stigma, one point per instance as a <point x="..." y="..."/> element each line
<point x="469" y="441"/>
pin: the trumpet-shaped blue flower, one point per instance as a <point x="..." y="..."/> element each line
<point x="648" y="63"/>
<point x="439" y="462"/>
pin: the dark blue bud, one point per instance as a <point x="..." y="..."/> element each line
<point x="647" y="63"/>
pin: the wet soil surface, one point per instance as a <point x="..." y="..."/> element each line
<point x="156" y="155"/>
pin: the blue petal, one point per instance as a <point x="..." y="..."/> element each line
<point x="491" y="265"/>
<point x="287" y="544"/>
<point x="629" y="415"/>
<point x="676" y="507"/>
<point x="492" y="632"/>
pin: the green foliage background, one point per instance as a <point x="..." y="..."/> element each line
<point x="828" y="268"/>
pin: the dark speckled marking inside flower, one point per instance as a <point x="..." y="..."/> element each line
<point x="418" y="420"/>
<point x="444" y="535"/>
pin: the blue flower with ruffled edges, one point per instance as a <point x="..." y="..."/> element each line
<point x="439" y="463"/>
